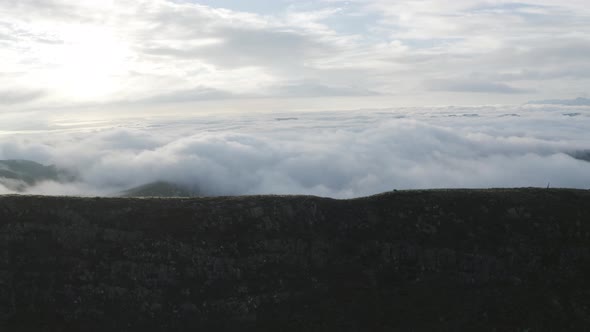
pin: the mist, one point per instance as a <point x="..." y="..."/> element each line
<point x="333" y="154"/>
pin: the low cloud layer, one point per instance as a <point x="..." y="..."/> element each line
<point x="336" y="154"/>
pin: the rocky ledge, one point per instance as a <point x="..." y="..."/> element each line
<point x="503" y="260"/>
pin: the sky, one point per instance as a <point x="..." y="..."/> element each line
<point x="76" y="55"/>
<point x="327" y="97"/>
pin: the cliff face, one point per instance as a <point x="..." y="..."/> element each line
<point x="418" y="260"/>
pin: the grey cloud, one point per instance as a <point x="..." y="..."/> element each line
<point x="250" y="47"/>
<point x="566" y="49"/>
<point x="187" y="51"/>
<point x="571" y="71"/>
<point x="532" y="58"/>
<point x="462" y="85"/>
<point x="274" y="46"/>
<point x="62" y="10"/>
<point x="293" y="89"/>
<point x="565" y="102"/>
<point x="242" y="40"/>
<point x="6" y="37"/>
<point x="12" y="33"/>
<point x="532" y="14"/>
<point x="312" y="89"/>
<point x="10" y="97"/>
<point x="195" y="94"/>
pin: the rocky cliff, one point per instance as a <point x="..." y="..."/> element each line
<point x="504" y="260"/>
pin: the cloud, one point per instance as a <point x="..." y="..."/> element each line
<point x="565" y="102"/>
<point x="243" y="47"/>
<point x="63" y="62"/>
<point x="198" y="93"/>
<point x="312" y="89"/>
<point x="336" y="154"/>
<point x="10" y="97"/>
<point x="478" y="86"/>
<point x="160" y="51"/>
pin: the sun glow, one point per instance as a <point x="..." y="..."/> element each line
<point x="88" y="65"/>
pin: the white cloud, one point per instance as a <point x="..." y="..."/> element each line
<point x="63" y="53"/>
<point x="66" y="63"/>
<point x="337" y="154"/>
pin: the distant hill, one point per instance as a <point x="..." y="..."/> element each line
<point x="160" y="189"/>
<point x="17" y="174"/>
<point x="581" y="155"/>
<point x="565" y="102"/>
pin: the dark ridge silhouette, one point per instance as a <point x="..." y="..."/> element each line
<point x="439" y="260"/>
<point x="581" y="155"/>
<point x="160" y="189"/>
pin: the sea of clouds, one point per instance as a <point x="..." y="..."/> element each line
<point x="336" y="154"/>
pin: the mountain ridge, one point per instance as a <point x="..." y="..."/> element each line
<point x="417" y="260"/>
<point x="160" y="189"/>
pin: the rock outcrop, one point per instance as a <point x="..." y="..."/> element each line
<point x="447" y="260"/>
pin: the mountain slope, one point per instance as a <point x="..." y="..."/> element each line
<point x="159" y="189"/>
<point x="18" y="174"/>
<point x="446" y="260"/>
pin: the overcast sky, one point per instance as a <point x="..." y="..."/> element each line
<point x="61" y="55"/>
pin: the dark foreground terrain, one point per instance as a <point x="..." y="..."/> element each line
<point x="482" y="260"/>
